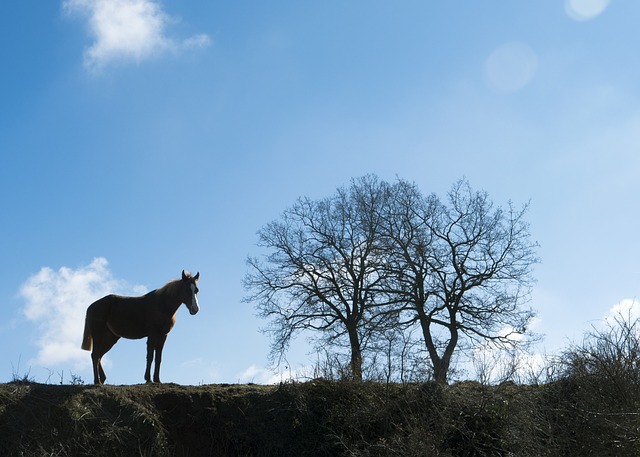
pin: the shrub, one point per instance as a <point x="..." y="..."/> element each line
<point x="594" y="404"/>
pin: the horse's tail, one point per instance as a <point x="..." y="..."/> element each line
<point x="87" y="339"/>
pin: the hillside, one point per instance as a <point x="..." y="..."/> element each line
<point x="318" y="418"/>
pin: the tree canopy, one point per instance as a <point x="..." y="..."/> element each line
<point x="379" y="258"/>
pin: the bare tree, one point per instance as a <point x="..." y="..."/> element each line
<point x="461" y="271"/>
<point x="323" y="271"/>
<point x="376" y="259"/>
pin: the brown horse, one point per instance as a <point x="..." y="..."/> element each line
<point x="153" y="316"/>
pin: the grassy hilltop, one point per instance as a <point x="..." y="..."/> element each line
<point x="571" y="417"/>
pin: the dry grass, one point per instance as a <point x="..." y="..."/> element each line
<point x="295" y="419"/>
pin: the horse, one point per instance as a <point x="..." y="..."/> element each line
<point x="152" y="316"/>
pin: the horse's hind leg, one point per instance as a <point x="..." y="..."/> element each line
<point x="101" y="346"/>
<point x="98" y="372"/>
<point x="103" y="376"/>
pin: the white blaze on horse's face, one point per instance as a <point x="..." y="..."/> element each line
<point x="194" y="307"/>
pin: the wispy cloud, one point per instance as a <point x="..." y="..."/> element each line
<point x="259" y="375"/>
<point x="128" y="30"/>
<point x="56" y="301"/>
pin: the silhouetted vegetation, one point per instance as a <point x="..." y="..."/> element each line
<point x="589" y="407"/>
<point x="379" y="267"/>
<point x="596" y="395"/>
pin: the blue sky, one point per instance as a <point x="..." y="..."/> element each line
<point x="141" y="137"/>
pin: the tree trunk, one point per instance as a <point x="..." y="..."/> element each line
<point x="440" y="364"/>
<point x="356" y="355"/>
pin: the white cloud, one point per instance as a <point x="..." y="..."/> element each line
<point x="57" y="302"/>
<point x="259" y="375"/>
<point x="128" y="30"/>
<point x="627" y="309"/>
<point x="197" y="41"/>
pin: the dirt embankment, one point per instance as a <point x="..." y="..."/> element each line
<point x="316" y="418"/>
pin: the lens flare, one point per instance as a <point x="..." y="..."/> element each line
<point x="583" y="10"/>
<point x="510" y="67"/>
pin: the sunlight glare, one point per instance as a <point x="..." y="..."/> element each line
<point x="510" y="67"/>
<point x="583" y="10"/>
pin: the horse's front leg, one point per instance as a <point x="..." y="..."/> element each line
<point x="158" y="346"/>
<point x="150" y="348"/>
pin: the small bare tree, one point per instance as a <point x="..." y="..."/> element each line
<point x="323" y="272"/>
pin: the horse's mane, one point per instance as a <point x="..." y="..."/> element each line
<point x="171" y="288"/>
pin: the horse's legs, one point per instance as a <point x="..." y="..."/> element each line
<point x="102" y="342"/>
<point x="155" y="343"/>
<point x="159" y="346"/>
<point x="150" y="345"/>
<point x="95" y="363"/>
<point x="99" y="377"/>
<point x="103" y="376"/>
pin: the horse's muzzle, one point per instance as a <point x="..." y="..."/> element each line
<point x="195" y="306"/>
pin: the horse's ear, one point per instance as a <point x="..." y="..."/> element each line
<point x="197" y="276"/>
<point x="184" y="276"/>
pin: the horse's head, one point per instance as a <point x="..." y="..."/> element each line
<point x="190" y="292"/>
